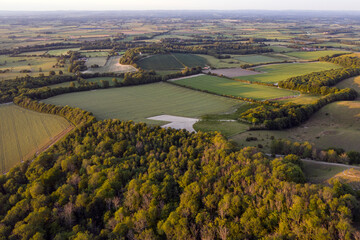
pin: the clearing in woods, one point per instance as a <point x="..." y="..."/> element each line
<point x="23" y="133"/>
<point x="112" y="65"/>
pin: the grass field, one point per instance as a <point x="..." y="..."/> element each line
<point x="171" y="61"/>
<point x="59" y="52"/>
<point x="281" y="49"/>
<point x="140" y="102"/>
<point x="23" y="133"/>
<point x="319" y="173"/>
<point x="278" y="72"/>
<point x="256" y="58"/>
<point x="97" y="79"/>
<point x="92" y="54"/>
<point x="314" y="54"/>
<point x="335" y="125"/>
<point x="226" y="86"/>
<point x="227" y="128"/>
<point x="353" y="82"/>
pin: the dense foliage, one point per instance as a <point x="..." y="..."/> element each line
<point x="119" y="180"/>
<point x="306" y="150"/>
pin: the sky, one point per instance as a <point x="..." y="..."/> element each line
<point x="35" y="5"/>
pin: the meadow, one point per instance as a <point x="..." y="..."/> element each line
<point x="171" y="61"/>
<point x="313" y="55"/>
<point x="224" y="86"/>
<point x="278" y="72"/>
<point x="23" y="133"/>
<point x="141" y="102"/>
<point x="221" y="63"/>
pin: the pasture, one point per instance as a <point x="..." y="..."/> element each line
<point x="353" y="82"/>
<point x="101" y="61"/>
<point x="313" y="55"/>
<point x="173" y="61"/>
<point x="141" y="102"/>
<point x="59" y="52"/>
<point x="278" y="72"/>
<point x="227" y="128"/>
<point x="335" y="125"/>
<point x="256" y="59"/>
<point x="23" y="133"/>
<point x="224" y="86"/>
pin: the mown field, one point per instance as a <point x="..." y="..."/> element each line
<point x="226" y="86"/>
<point x="313" y="55"/>
<point x="23" y="133"/>
<point x="335" y="125"/>
<point x="278" y="72"/>
<point x="140" y="102"/>
<point x="171" y="61"/>
<point x="256" y="58"/>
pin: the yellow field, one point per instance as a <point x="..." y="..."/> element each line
<point x="24" y="133"/>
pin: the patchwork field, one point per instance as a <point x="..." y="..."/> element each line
<point x="278" y="72"/>
<point x="226" y="86"/>
<point x="23" y="133"/>
<point x="335" y="125"/>
<point x="156" y="99"/>
<point x="314" y="54"/>
<point x="256" y="58"/>
<point x="171" y="61"/>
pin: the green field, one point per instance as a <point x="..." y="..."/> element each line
<point x="335" y="125"/>
<point x="140" y="102"/>
<point x="92" y="54"/>
<point x="23" y="133"/>
<point x="226" y="86"/>
<point x="319" y="173"/>
<point x="97" y="79"/>
<point x="314" y="54"/>
<point x="278" y="72"/>
<point x="256" y="58"/>
<point x="171" y="61"/>
<point x="353" y="82"/>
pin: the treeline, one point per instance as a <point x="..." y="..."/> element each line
<point x="306" y="150"/>
<point x="76" y="116"/>
<point x="344" y="61"/>
<point x="119" y="180"/>
<point x="35" y="48"/>
<point x="319" y="82"/>
<point x="276" y="116"/>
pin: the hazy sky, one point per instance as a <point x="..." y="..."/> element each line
<point x="179" y="4"/>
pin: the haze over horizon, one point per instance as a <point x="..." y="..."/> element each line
<point x="91" y="5"/>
